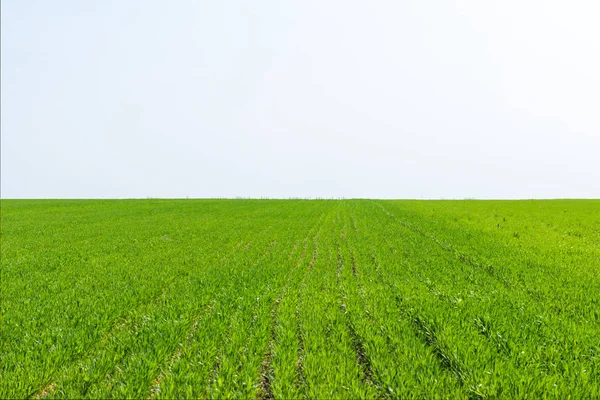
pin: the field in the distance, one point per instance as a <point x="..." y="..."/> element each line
<point x="291" y="299"/>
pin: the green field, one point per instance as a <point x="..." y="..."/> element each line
<point x="294" y="299"/>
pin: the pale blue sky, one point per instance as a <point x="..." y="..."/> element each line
<point x="386" y="99"/>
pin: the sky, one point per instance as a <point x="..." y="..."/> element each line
<point x="377" y="99"/>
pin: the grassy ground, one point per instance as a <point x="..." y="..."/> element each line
<point x="291" y="298"/>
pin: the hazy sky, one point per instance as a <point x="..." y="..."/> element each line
<point x="394" y="99"/>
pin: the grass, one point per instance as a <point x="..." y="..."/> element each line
<point x="292" y="298"/>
